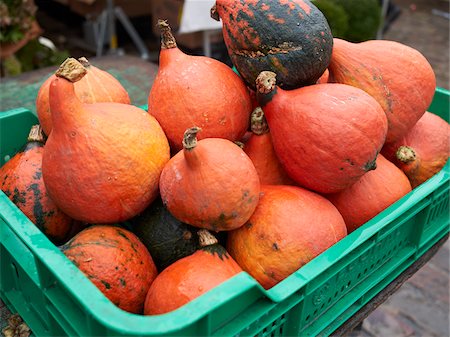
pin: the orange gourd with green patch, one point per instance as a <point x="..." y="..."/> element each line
<point x="190" y="277"/>
<point x="290" y="227"/>
<point x="117" y="263"/>
<point x="399" y="77"/>
<point x="21" y="180"/>
<point x="210" y="184"/>
<point x="102" y="161"/>
<point x="374" y="192"/>
<point x="196" y="91"/>
<point x="326" y="136"/>
<point x="291" y="38"/>
<point x="260" y="150"/>
<point x="96" y="86"/>
<point x="423" y="151"/>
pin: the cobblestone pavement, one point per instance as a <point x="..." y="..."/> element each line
<point x="423" y="26"/>
<point x="420" y="308"/>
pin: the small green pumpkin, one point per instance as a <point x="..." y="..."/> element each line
<point x="166" y="238"/>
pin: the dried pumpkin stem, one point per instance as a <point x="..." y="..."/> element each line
<point x="84" y="61"/>
<point x="190" y="138"/>
<point x="213" y="13"/>
<point x="71" y="70"/>
<point x="258" y="122"/>
<point x="266" y="82"/>
<point x="205" y="238"/>
<point x="167" y="38"/>
<point x="240" y="144"/>
<point x="406" y="154"/>
<point x="36" y="134"/>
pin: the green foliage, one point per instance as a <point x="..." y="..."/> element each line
<point x="12" y="66"/>
<point x="32" y="56"/>
<point x="352" y="20"/>
<point x="35" y="55"/>
<point x="364" y="18"/>
<point x="336" y="16"/>
<point x="16" y="17"/>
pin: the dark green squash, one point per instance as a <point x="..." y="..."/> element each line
<point x="291" y="38"/>
<point x="166" y="238"/>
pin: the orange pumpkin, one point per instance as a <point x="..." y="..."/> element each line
<point x="210" y="184"/>
<point x="290" y="227"/>
<point x="326" y="136"/>
<point x="190" y="277"/>
<point x="102" y="161"/>
<point x="116" y="262"/>
<point x="96" y="86"/>
<point x="197" y="91"/>
<point x="397" y="76"/>
<point x="423" y="151"/>
<point x="21" y="180"/>
<point x="374" y="192"/>
<point x="260" y="150"/>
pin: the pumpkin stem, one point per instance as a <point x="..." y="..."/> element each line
<point x="167" y="38"/>
<point x="213" y="13"/>
<point x="36" y="134"/>
<point x="266" y="82"/>
<point x="84" y="61"/>
<point x="405" y="154"/>
<point x="190" y="138"/>
<point x="205" y="238"/>
<point x="71" y="70"/>
<point x="258" y="122"/>
<point x="240" y="144"/>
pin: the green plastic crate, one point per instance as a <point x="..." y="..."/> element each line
<point x="55" y="298"/>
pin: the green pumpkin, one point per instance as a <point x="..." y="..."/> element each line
<point x="166" y="238"/>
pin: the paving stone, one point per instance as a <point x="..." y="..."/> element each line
<point x="433" y="282"/>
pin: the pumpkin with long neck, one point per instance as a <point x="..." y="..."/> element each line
<point x="423" y="151"/>
<point x="210" y="184"/>
<point x="96" y="86"/>
<point x="326" y="136"/>
<point x="102" y="161"/>
<point x="399" y="77"/>
<point x="196" y="91"/>
<point x="260" y="150"/>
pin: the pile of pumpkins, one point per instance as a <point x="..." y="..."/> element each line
<point x="257" y="172"/>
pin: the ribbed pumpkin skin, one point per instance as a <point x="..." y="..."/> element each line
<point x="259" y="149"/>
<point x="198" y="91"/>
<point x="214" y="185"/>
<point x="96" y="86"/>
<point x="116" y="262"/>
<point x="290" y="227"/>
<point x="373" y="193"/>
<point x="289" y="37"/>
<point x="430" y="140"/>
<point x="21" y="180"/>
<point x="326" y="136"/>
<point x="102" y="161"/>
<point x="397" y="76"/>
<point x="188" y="278"/>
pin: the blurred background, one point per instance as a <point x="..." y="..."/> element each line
<point x="40" y="33"/>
